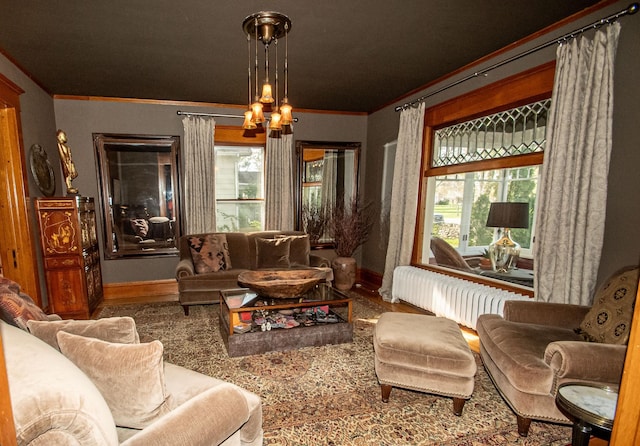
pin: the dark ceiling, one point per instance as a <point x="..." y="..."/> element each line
<point x="347" y="55"/>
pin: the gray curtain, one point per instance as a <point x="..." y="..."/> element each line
<point x="573" y="188"/>
<point x="279" y="207"/>
<point x="328" y="190"/>
<point x="199" y="175"/>
<point x="404" y="195"/>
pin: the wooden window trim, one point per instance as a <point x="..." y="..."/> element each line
<point x="520" y="89"/>
<point x="231" y="134"/>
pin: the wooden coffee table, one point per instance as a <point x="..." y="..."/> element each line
<point x="241" y="308"/>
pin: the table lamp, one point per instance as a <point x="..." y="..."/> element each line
<point x="504" y="252"/>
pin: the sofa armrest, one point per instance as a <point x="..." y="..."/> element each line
<point x="319" y="262"/>
<point x="206" y="419"/>
<point x="544" y="313"/>
<point x="586" y="361"/>
<point x="185" y="268"/>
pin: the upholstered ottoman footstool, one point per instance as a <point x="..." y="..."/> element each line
<point x="423" y="353"/>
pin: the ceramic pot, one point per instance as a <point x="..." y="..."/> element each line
<point x="344" y="272"/>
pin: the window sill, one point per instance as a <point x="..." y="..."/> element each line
<point x="477" y="278"/>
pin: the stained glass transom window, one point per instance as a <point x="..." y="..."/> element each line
<point x="512" y="132"/>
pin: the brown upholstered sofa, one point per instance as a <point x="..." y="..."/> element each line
<point x="244" y="251"/>
<point x="538" y="346"/>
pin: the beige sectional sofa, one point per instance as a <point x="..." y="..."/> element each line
<point x="55" y="402"/>
<point x="212" y="262"/>
<point x="92" y="382"/>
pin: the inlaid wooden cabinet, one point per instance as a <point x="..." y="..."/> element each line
<point x="71" y="255"/>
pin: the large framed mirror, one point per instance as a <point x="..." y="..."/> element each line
<point x="139" y="194"/>
<point x="327" y="173"/>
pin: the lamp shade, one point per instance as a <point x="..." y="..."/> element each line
<point x="285" y="112"/>
<point x="275" y="123"/>
<point x="267" y="95"/>
<point x="508" y="215"/>
<point x="248" y="123"/>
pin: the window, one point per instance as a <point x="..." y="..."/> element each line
<point x="240" y="180"/>
<point x="461" y="205"/>
<point x="483" y="147"/>
<point x="239" y="188"/>
<point x="517" y="131"/>
<point x="312" y="183"/>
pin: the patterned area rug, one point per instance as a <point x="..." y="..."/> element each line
<point x="330" y="395"/>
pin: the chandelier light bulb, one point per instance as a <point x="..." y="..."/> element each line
<point x="258" y="114"/>
<point x="285" y="113"/>
<point x="267" y="95"/>
<point x="275" y="123"/>
<point x="248" y="123"/>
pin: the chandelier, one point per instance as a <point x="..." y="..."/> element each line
<point x="267" y="27"/>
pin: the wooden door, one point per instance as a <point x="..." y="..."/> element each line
<point x="17" y="253"/>
<point x="17" y="249"/>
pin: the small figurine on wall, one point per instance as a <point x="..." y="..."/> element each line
<point x="68" y="168"/>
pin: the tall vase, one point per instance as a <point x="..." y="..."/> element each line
<point x="344" y="271"/>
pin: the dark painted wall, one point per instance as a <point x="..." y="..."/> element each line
<point x="80" y="119"/>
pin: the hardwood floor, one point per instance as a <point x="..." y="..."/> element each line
<point x="135" y="300"/>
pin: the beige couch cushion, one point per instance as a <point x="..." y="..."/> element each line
<point x="54" y="403"/>
<point x="129" y="376"/>
<point x="609" y="320"/>
<point x="518" y="350"/>
<point x="111" y="329"/>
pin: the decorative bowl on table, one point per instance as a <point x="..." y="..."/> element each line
<point x="281" y="284"/>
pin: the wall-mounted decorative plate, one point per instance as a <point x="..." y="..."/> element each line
<point x="42" y="171"/>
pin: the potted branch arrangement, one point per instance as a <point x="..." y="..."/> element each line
<point x="314" y="222"/>
<point x="349" y="226"/>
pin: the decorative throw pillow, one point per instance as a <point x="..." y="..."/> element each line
<point x="299" y="250"/>
<point x="130" y="377"/>
<point x="609" y="319"/>
<point x="17" y="308"/>
<point x="111" y="329"/>
<point x="10" y="284"/>
<point x="210" y="253"/>
<point x="140" y="227"/>
<point x="273" y="253"/>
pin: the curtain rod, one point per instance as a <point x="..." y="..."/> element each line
<point x="216" y="115"/>
<point x="630" y="10"/>
<point x="213" y="115"/>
